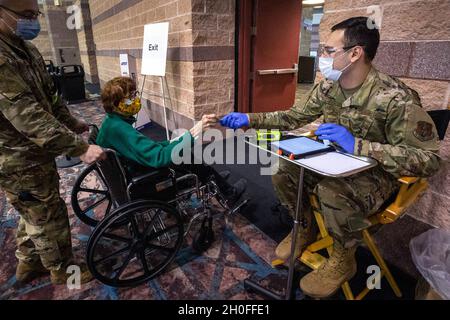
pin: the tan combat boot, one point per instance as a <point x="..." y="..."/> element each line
<point x="26" y="272"/>
<point x="60" y="276"/>
<point x="325" y="281"/>
<point x="304" y="238"/>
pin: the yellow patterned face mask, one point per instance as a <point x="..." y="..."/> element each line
<point x="130" y="107"/>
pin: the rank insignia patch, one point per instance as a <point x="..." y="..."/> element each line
<point x="424" y="131"/>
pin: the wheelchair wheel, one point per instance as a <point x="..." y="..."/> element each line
<point x="90" y="198"/>
<point x="134" y="243"/>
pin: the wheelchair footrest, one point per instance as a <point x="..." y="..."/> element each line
<point x="239" y="206"/>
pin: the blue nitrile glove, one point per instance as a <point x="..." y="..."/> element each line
<point x="338" y="134"/>
<point x="235" y="120"/>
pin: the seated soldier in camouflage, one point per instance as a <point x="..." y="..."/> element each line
<point x="366" y="113"/>
<point x="35" y="127"/>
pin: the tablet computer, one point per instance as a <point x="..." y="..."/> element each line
<point x="300" y="147"/>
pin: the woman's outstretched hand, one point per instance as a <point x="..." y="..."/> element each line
<point x="208" y="121"/>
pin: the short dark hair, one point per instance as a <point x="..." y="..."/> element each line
<point x="361" y="31"/>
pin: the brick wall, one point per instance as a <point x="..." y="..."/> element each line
<point x="55" y="34"/>
<point x="86" y="42"/>
<point x="415" y="46"/>
<point x="213" y="24"/>
<point x="42" y="42"/>
<point x="200" y="67"/>
<point x="64" y="41"/>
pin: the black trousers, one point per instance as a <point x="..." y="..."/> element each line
<point x="205" y="173"/>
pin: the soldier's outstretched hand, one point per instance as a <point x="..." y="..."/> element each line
<point x="93" y="153"/>
<point x="235" y="120"/>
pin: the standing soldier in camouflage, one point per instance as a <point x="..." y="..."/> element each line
<point x="35" y="127"/>
<point x="366" y="113"/>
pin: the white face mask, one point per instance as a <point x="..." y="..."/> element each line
<point x="326" y="68"/>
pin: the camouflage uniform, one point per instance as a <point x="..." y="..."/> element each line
<point x="35" y="128"/>
<point x="388" y="123"/>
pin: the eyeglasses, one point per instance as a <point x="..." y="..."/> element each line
<point x="29" y="14"/>
<point x="134" y="94"/>
<point x="330" y="50"/>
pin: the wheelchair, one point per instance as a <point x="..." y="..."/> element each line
<point x="140" y="220"/>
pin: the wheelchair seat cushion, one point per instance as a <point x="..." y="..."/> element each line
<point x="157" y="186"/>
<point x="160" y="185"/>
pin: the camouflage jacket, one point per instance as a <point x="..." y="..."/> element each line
<point x="384" y="115"/>
<point x="34" y="121"/>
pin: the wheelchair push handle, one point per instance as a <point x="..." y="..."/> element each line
<point x="93" y="133"/>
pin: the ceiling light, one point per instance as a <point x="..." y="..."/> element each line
<point x="313" y="2"/>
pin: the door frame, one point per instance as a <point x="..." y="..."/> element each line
<point x="245" y="21"/>
<point x="243" y="39"/>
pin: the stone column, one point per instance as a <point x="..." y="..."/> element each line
<point x="86" y="42"/>
<point x="42" y="42"/>
<point x="63" y="40"/>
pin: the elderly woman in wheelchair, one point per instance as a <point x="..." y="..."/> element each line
<point x="141" y="205"/>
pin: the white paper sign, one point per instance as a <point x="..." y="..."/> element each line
<point x="154" y="54"/>
<point x="124" y="65"/>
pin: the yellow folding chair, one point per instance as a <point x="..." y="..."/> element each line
<point x="408" y="193"/>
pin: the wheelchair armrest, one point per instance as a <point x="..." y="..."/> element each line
<point x="139" y="179"/>
<point x="93" y="133"/>
<point x="408" y="180"/>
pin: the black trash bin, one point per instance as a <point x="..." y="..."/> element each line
<point x="70" y="81"/>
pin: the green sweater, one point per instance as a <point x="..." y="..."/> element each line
<point x="117" y="133"/>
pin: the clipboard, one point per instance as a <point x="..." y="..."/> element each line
<point x="343" y="164"/>
<point x="300" y="147"/>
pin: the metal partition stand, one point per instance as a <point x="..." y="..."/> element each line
<point x="249" y="284"/>
<point x="164" y="106"/>
<point x="165" y="96"/>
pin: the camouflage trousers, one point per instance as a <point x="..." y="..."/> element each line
<point x="43" y="231"/>
<point x="345" y="203"/>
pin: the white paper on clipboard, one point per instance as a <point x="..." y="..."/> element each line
<point x="334" y="163"/>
